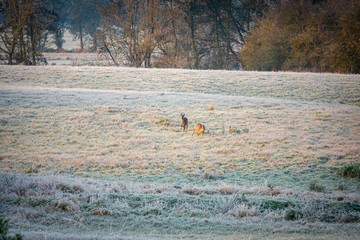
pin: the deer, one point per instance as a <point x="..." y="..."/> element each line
<point x="183" y="122"/>
<point x="200" y="129"/>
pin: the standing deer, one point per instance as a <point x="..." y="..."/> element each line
<point x="183" y="122"/>
<point x="200" y="129"/>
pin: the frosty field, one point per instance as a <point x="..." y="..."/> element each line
<point x="97" y="152"/>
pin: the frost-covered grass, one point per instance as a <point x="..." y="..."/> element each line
<point x="121" y="133"/>
<point x="98" y="151"/>
<point x="322" y="88"/>
<point x="61" y="205"/>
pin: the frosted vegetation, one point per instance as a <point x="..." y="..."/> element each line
<point x="97" y="152"/>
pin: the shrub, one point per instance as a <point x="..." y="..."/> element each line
<point x="350" y="171"/>
<point x="316" y="187"/>
<point x="291" y="215"/>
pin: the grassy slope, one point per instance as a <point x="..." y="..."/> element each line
<point x="121" y="124"/>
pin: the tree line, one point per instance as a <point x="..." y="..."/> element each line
<point x="319" y="36"/>
<point x="311" y="35"/>
<point x="195" y="34"/>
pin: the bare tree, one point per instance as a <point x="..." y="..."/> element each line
<point x="15" y="14"/>
<point x="24" y="30"/>
<point x="178" y="33"/>
<point x="175" y="48"/>
<point x="132" y="28"/>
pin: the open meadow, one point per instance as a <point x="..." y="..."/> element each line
<point x="89" y="152"/>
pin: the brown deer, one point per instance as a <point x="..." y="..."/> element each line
<point x="183" y="122"/>
<point x="200" y="129"/>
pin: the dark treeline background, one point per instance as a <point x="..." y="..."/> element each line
<point x="272" y="35"/>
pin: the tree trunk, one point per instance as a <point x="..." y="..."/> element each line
<point x="21" y="58"/>
<point x="11" y="52"/>
<point x="81" y="39"/>
<point x="228" y="13"/>
<point x="108" y="50"/>
<point x="192" y="27"/>
<point x="150" y="31"/>
<point x="248" y="15"/>
<point x="218" y="64"/>
<point x="133" y="45"/>
<point x="174" y="29"/>
<point x="10" y="62"/>
<point x="148" y="60"/>
<point x="94" y="43"/>
<point x="33" y="46"/>
<point x="59" y="39"/>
